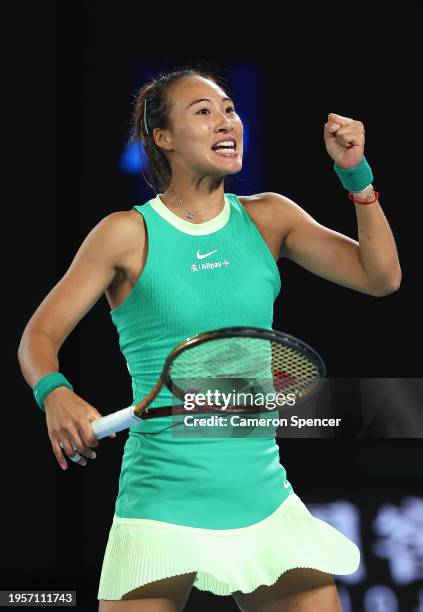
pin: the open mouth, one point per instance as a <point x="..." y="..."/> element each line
<point x="225" y="149"/>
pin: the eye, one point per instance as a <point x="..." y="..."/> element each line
<point x="230" y="108"/>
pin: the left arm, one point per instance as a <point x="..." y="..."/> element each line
<point x="369" y="265"/>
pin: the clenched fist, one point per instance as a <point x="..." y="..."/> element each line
<point x="344" y="140"/>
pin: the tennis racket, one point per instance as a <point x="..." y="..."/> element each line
<point x="237" y="360"/>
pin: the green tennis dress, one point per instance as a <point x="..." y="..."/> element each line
<point x="222" y="507"/>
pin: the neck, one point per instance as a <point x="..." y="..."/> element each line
<point x="205" y="201"/>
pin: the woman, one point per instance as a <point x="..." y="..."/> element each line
<point x="216" y="513"/>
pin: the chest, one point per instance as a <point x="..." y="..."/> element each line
<point x="205" y="263"/>
<point x="226" y="269"/>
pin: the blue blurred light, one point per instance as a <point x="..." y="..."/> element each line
<point x="133" y="159"/>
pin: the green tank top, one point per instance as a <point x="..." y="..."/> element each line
<point x="197" y="277"/>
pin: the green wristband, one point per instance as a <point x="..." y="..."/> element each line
<point x="356" y="178"/>
<point x="48" y="383"/>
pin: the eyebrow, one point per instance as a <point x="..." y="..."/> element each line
<point x="205" y="100"/>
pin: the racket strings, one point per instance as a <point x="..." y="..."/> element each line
<point x="243" y="365"/>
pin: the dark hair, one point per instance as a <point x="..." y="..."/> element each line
<point x="159" y="104"/>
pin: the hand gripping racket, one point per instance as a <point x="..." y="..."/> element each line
<point x="238" y="359"/>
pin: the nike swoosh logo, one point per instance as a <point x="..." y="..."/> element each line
<point x="286" y="484"/>
<point x="199" y="256"/>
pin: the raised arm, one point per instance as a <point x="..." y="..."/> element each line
<point x="369" y="265"/>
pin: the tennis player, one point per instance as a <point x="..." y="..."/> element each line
<point x="216" y="513"/>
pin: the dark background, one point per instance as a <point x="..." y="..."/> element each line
<point x="69" y="74"/>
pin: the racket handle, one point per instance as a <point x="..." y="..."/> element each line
<point x="121" y="419"/>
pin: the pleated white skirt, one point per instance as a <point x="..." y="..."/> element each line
<point x="140" y="551"/>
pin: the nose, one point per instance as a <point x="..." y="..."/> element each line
<point x="228" y="124"/>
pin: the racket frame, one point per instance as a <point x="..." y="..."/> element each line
<point x="246" y="332"/>
<point x="127" y="417"/>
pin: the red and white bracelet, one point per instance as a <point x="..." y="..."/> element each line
<point x="368" y="199"/>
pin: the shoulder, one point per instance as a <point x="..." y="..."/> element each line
<point x="122" y="224"/>
<point x="270" y="207"/>
<point x="118" y="233"/>
<point x="276" y="216"/>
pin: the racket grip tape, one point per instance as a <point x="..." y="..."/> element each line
<point x="122" y="419"/>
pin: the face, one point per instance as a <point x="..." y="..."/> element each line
<point x="201" y="115"/>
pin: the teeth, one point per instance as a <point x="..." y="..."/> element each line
<point x="225" y="151"/>
<point x="226" y="143"/>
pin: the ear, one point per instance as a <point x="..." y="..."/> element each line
<point x="162" y="139"/>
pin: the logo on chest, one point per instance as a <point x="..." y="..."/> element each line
<point x="208" y="265"/>
<point x="202" y="256"/>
